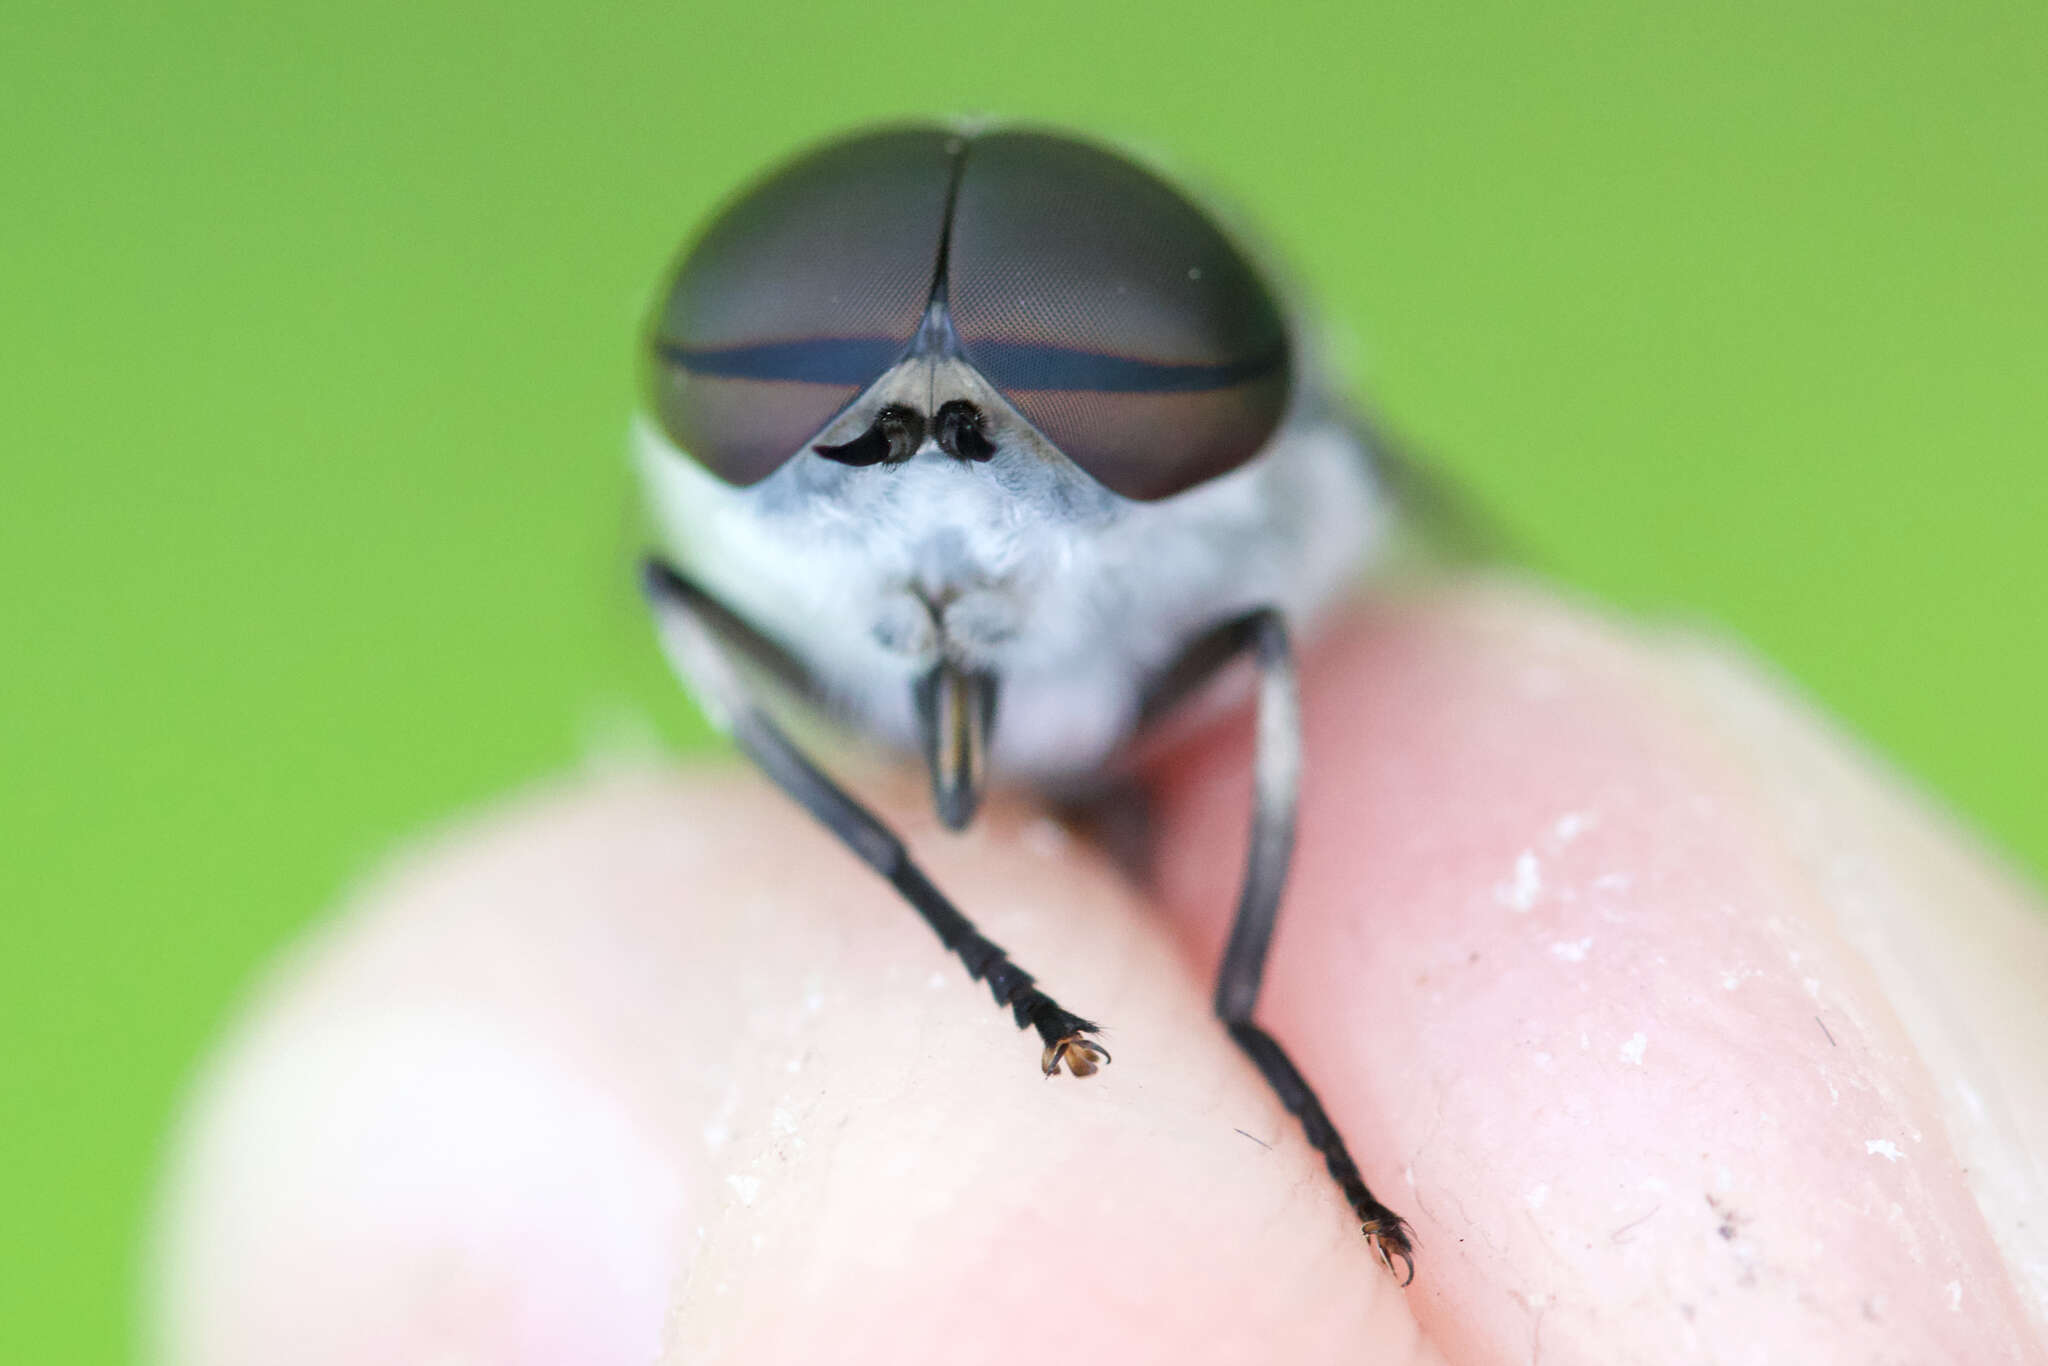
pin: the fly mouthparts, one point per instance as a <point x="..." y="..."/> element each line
<point x="956" y="714"/>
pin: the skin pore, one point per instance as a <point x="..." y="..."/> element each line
<point x="1676" y="1028"/>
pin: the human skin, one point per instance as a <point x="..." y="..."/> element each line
<point x="1677" y="1030"/>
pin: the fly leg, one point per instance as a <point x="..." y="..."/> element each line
<point x="1276" y="786"/>
<point x="700" y="636"/>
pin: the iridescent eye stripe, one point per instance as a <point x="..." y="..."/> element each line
<point x="1014" y="365"/>
<point x="850" y="361"/>
<point x="1022" y="366"/>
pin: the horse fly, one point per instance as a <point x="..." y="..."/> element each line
<point x="992" y="445"/>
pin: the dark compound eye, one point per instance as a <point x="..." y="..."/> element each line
<point x="1109" y="309"/>
<point x="1113" y="313"/>
<point x="801" y="293"/>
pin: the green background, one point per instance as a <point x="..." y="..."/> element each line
<point x="317" y="352"/>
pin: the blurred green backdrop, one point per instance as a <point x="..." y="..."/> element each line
<point x="317" y="356"/>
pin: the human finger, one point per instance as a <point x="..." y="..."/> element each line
<point x="652" y="1068"/>
<point x="1677" y="1032"/>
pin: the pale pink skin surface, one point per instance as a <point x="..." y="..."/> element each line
<point x="1677" y="1033"/>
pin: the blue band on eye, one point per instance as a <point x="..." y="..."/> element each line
<point x="1020" y="365"/>
<point x="858" y="361"/>
<point x="855" y="361"/>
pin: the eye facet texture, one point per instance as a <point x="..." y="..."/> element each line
<point x="1113" y="313"/>
<point x="801" y="293"/>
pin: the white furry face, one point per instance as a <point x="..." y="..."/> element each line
<point x="1021" y="564"/>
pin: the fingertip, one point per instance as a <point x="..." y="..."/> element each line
<point x="654" y="1067"/>
<point x="1554" y="964"/>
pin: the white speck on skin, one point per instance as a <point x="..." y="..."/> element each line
<point x="1572" y="950"/>
<point x="1613" y="882"/>
<point x="1955" y="1295"/>
<point x="745" y="1187"/>
<point x="937" y="981"/>
<point x="814" y="1001"/>
<point x="1536" y="1195"/>
<point x="760" y="1240"/>
<point x="1632" y="1051"/>
<point x="1520" y="895"/>
<point x="1883" y="1147"/>
<point x="1543" y="1060"/>
<point x="719" y="1127"/>
<point x="1973" y="1102"/>
<point x="782" y="1122"/>
<point x="1812" y="985"/>
<point x="794" y="1065"/>
<point x="1723" y="1178"/>
<point x="1573" y="824"/>
<point x="1585" y="1041"/>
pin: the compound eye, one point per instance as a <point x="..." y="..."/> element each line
<point x="800" y="293"/>
<point x="1113" y="313"/>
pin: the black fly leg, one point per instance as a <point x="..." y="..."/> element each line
<point x="1276" y="779"/>
<point x="700" y="636"/>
